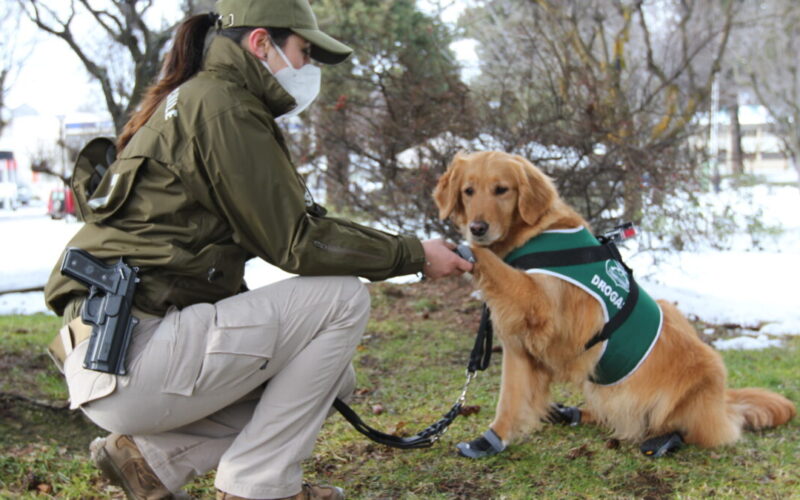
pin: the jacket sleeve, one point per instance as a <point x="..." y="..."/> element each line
<point x="264" y="199"/>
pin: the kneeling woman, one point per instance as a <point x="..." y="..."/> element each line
<point x="218" y="376"/>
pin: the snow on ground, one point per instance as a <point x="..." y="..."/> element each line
<point x="754" y="288"/>
<point x="749" y="285"/>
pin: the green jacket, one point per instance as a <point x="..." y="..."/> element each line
<point x="206" y="185"/>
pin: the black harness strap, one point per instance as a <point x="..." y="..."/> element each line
<point x="622" y="315"/>
<point x="571" y="257"/>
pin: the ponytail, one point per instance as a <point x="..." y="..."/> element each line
<point x="183" y="61"/>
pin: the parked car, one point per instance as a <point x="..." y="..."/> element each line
<point x="8" y="195"/>
<point x="24" y="194"/>
<point x="61" y="203"/>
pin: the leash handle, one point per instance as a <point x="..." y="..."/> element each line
<point x="478" y="361"/>
<point x="422" y="439"/>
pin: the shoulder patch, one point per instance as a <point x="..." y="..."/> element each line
<point x="171" y="111"/>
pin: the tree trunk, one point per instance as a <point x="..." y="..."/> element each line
<point x="337" y="175"/>
<point x="632" y="198"/>
<point x="737" y="159"/>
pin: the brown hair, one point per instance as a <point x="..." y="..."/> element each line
<point x="182" y="62"/>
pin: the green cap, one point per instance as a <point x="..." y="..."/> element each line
<point x="293" y="14"/>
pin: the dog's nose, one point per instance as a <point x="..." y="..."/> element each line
<point x="478" y="228"/>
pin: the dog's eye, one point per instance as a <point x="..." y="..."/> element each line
<point x="500" y="190"/>
<point x="469" y="191"/>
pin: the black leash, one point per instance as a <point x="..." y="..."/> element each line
<point x="478" y="361"/>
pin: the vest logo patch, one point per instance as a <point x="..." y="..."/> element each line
<point x="171" y="111"/>
<point x="613" y="296"/>
<point x="617" y="273"/>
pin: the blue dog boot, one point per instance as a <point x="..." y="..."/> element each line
<point x="659" y="446"/>
<point x="484" y="446"/>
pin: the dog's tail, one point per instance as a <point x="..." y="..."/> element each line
<point x="760" y="408"/>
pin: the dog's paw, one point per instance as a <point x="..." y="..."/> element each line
<point x="659" y="446"/>
<point x="560" y="414"/>
<point x="484" y="446"/>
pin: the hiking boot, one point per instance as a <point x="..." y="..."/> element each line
<point x="309" y="492"/>
<point x="122" y="463"/>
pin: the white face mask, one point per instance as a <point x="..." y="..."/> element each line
<point x="303" y="84"/>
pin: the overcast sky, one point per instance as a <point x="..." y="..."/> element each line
<point x="52" y="79"/>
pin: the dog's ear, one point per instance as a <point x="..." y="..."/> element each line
<point x="447" y="191"/>
<point x="536" y="191"/>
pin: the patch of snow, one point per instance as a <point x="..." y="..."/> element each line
<point x="746" y="343"/>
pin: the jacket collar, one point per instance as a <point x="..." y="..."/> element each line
<point x="226" y="60"/>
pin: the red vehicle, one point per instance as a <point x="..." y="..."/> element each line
<point x="61" y="203"/>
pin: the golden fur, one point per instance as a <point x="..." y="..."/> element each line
<point x="544" y="323"/>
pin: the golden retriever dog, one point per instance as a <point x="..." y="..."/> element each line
<point x="501" y="201"/>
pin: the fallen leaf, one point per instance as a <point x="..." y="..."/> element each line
<point x="469" y="410"/>
<point x="396" y="428"/>
<point x="581" y="451"/>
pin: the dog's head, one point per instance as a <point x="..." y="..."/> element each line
<point x="491" y="194"/>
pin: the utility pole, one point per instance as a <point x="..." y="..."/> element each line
<point x="63" y="144"/>
<point x="716" y="178"/>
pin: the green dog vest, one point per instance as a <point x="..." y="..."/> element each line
<point x="608" y="282"/>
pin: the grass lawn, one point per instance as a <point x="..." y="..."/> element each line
<point x="410" y="369"/>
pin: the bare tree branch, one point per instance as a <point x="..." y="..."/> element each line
<point x="123" y="22"/>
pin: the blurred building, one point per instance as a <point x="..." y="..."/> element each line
<point x="33" y="137"/>
<point x="761" y="148"/>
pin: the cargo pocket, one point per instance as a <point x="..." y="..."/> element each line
<point x="85" y="385"/>
<point x="237" y="353"/>
<point x="186" y="344"/>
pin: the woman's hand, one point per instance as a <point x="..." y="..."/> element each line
<point x="442" y="261"/>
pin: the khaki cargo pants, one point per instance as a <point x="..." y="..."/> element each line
<point x="242" y="385"/>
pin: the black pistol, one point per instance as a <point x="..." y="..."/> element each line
<point x="107" y="309"/>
